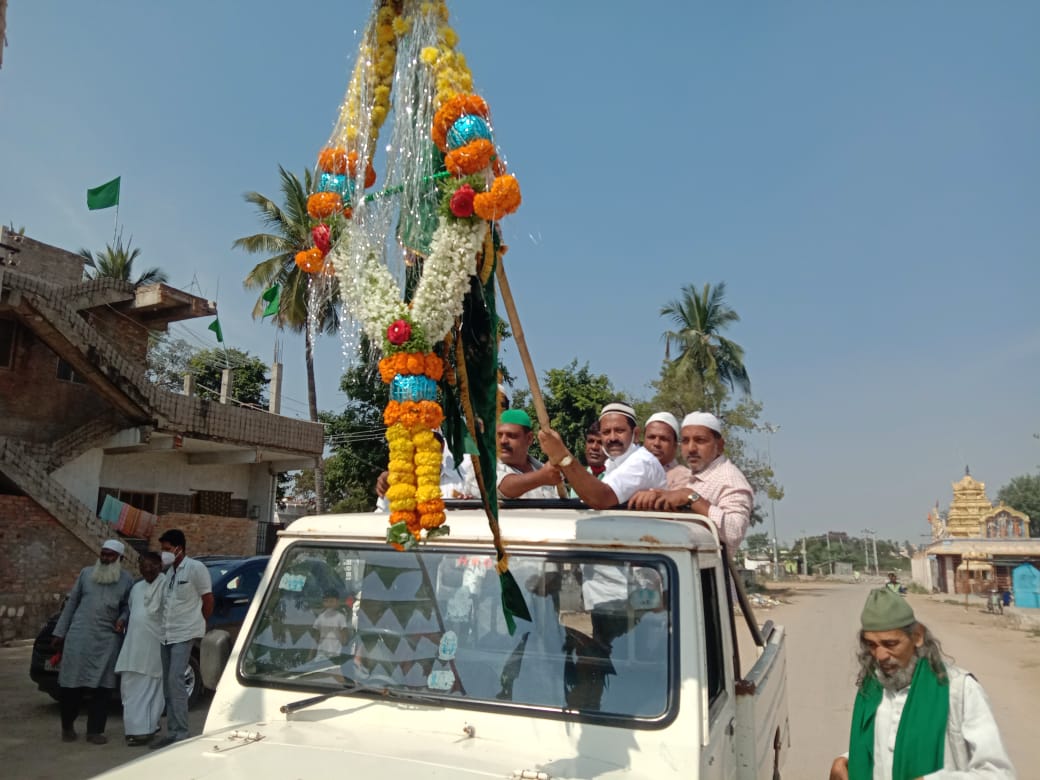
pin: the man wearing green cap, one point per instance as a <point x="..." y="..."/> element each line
<point x="914" y="715"/>
<point x="519" y="474"/>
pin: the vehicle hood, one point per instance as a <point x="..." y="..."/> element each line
<point x="313" y="749"/>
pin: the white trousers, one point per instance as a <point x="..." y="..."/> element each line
<point x="142" y="703"/>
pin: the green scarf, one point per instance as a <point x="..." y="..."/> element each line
<point x="921" y="738"/>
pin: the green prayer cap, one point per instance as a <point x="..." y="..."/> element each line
<point x="515" y="417"/>
<point x="886" y="610"/>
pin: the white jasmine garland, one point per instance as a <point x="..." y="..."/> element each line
<point x="373" y="297"/>
<point x="446" y="272"/>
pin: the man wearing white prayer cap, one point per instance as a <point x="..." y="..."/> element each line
<point x="630" y="467"/>
<point x="89" y="635"/>
<point x="661" y="436"/>
<point x="716" y="488"/>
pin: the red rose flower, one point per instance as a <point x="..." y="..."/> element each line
<point x="320" y="234"/>
<point x="462" y="201"/>
<point x="399" y="332"/>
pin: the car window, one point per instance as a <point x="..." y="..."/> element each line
<point x="244" y="584"/>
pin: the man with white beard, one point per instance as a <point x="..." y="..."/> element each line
<point x="89" y="634"/>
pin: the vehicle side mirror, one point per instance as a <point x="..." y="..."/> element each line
<point x="213" y="656"/>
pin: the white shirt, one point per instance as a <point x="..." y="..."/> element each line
<point x="542" y="491"/>
<point x="634" y="470"/>
<point x="986" y="755"/>
<point x="182" y="612"/>
<point x="140" y="652"/>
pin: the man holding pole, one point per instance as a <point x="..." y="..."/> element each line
<point x="630" y="467"/>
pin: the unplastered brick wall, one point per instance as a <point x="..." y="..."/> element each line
<point x="39" y="562"/>
<point x="210" y="534"/>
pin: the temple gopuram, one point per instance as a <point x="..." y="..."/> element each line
<point x="976" y="547"/>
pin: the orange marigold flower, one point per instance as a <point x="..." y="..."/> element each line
<point x="387" y="369"/>
<point x="502" y="199"/>
<point x="310" y="260"/>
<point x="333" y="159"/>
<point x="370" y="172"/>
<point x="432" y="520"/>
<point x="434" y="367"/>
<point x="401" y="517"/>
<point x="414" y="363"/>
<point x="474" y="156"/>
<point x="323" y="204"/>
<point x="447" y="114"/>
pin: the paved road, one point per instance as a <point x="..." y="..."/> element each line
<point x="821" y="620"/>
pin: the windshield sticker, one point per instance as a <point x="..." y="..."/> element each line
<point x="441" y="680"/>
<point x="448" y="645"/>
<point x="292" y="582"/>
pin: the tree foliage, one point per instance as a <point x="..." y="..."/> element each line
<point x="170" y="359"/>
<point x="573" y="398"/>
<point x="117" y="262"/>
<point x="307" y="303"/>
<point x="356" y="437"/>
<point x="1023" y="493"/>
<point x="704" y="354"/>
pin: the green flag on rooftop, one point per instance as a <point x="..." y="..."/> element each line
<point x="215" y="327"/>
<point x="105" y="196"/>
<point x="273" y="296"/>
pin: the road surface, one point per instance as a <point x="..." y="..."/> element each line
<point x="821" y="620"/>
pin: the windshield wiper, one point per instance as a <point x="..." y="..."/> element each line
<point x="358" y="687"/>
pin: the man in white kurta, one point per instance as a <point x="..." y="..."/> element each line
<point x="903" y="677"/>
<point x="140" y="660"/>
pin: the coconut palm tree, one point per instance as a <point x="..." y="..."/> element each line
<point x="303" y="305"/>
<point x="703" y="352"/>
<point x="117" y="262"/>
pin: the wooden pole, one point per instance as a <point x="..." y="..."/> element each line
<point x="525" y="355"/>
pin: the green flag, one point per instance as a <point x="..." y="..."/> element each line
<point x="105" y="196"/>
<point x="273" y="296"/>
<point x="215" y="327"/>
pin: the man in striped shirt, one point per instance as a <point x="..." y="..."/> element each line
<point x="716" y="488"/>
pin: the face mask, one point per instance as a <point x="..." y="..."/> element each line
<point x="167" y="559"/>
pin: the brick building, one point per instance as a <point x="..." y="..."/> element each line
<point x="80" y="421"/>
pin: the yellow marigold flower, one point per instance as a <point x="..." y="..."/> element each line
<point x="442" y="10"/>
<point x="448" y="36"/>
<point x="395" y="492"/>
<point x="383" y="94"/>
<point x="378" y="115"/>
<point x="428" y="55"/>
<point x="427" y="494"/>
<point x="402" y="26"/>
<point x="385" y="14"/>
<point x="426" y="475"/>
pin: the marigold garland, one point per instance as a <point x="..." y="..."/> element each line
<point x="451" y="111"/>
<point x="473" y="157"/>
<point x="411" y="363"/>
<point x="502" y="199"/>
<point x="323" y="204"/>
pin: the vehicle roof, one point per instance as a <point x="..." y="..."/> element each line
<point x="535" y="527"/>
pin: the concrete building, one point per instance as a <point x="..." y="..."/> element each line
<point x="80" y="421"/>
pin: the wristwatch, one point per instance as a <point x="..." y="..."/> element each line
<point x="693" y="499"/>
<point x="565" y="461"/>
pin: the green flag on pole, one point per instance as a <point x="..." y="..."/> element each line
<point x="273" y="296"/>
<point x="215" y="327"/>
<point x="105" y="196"/>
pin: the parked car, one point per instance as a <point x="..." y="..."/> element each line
<point x="235" y="580"/>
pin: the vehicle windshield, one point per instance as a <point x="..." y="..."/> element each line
<point x="597" y="637"/>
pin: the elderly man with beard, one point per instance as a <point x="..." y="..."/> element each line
<point x="716" y="489"/>
<point x="630" y="467"/>
<point x="89" y="635"/>
<point x="915" y="716"/>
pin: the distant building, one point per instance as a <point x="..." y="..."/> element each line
<point x="84" y="433"/>
<point x="977" y="546"/>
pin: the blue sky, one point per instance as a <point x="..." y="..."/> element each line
<point x="865" y="177"/>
